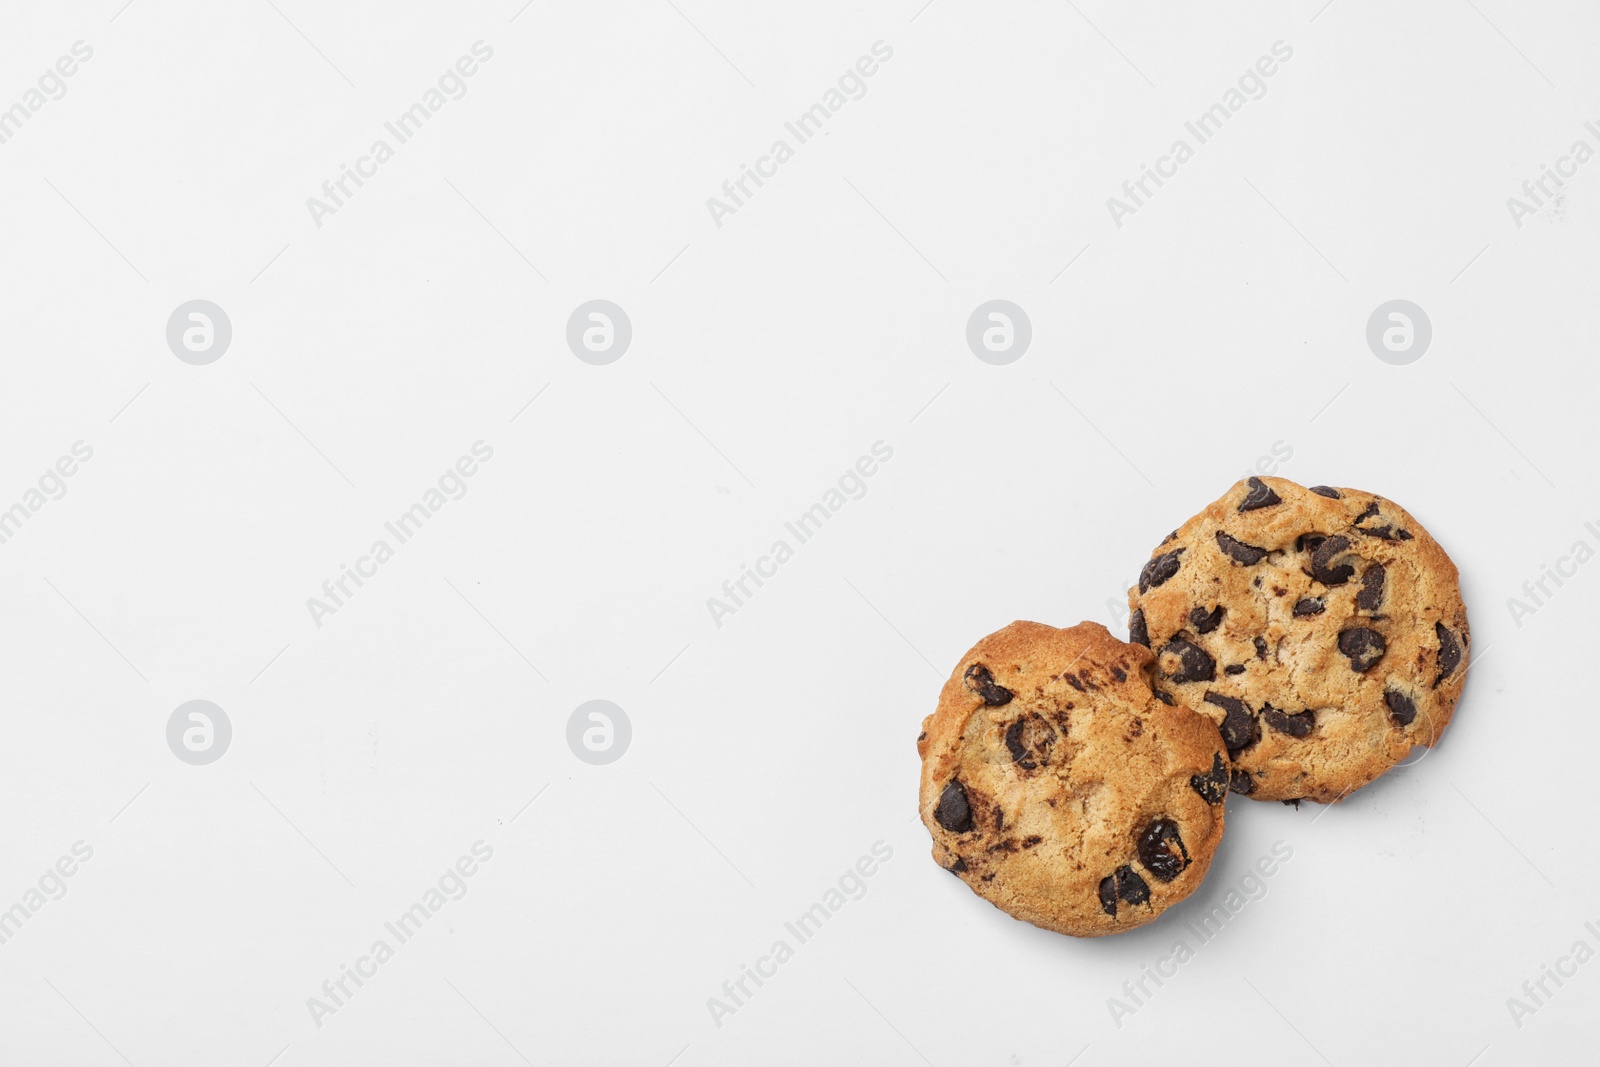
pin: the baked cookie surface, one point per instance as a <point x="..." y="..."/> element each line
<point x="1321" y="629"/>
<point x="1061" y="790"/>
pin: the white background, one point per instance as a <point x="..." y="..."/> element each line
<point x="829" y="312"/>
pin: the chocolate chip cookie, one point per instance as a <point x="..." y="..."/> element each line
<point x="1321" y="629"/>
<point x="1061" y="790"/>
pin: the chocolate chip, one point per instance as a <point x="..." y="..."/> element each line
<point x="1311" y="605"/>
<point x="1322" y="568"/>
<point x="1205" y="621"/>
<point x="1449" y="652"/>
<point x="1233" y="668"/>
<point x="1371" y="596"/>
<point x="1259" y="496"/>
<point x="1401" y="707"/>
<point x="980" y="681"/>
<point x="1327" y="491"/>
<point x="1164" y="696"/>
<point x="1242" y="783"/>
<point x="1294" y="801"/>
<point x="1031" y="840"/>
<point x="1294" y="725"/>
<point x="1239" y="727"/>
<point x="958" y="866"/>
<point x="1138" y="633"/>
<point x="1119" y="674"/>
<point x="1126" y="884"/>
<point x="1029" y="740"/>
<point x="1261" y="647"/>
<point x="1194" y="663"/>
<point x="1159" y="569"/>
<point x="1308" y="542"/>
<point x="1238" y="551"/>
<point x="1364" y="647"/>
<point x="922" y="736"/>
<point x="999" y="820"/>
<point x="953" y="812"/>
<point x="1161" y="850"/>
<point x="1212" y="787"/>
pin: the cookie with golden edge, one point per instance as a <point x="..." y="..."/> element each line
<point x="1321" y="629"/>
<point x="1061" y="790"/>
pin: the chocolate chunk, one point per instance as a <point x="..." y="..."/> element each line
<point x="1029" y="740"/>
<point x="1261" y="647"/>
<point x="1119" y="674"/>
<point x="1401" y="707"/>
<point x="953" y="812"/>
<point x="1164" y="696"/>
<point x="1259" y="496"/>
<point x="1294" y="725"/>
<point x="958" y="866"/>
<point x="1308" y="542"/>
<point x="922" y="736"/>
<point x="1138" y="633"/>
<point x="1159" y="569"/>
<point x="1108" y="894"/>
<point x="1239" y="727"/>
<point x="1031" y="840"/>
<point x="1449" y="652"/>
<point x="1205" y="621"/>
<point x="1242" y="783"/>
<point x="1371" y="596"/>
<point x="1233" y="668"/>
<point x="1311" y="605"/>
<point x="1295" y="801"/>
<point x="1322" y="568"/>
<point x="980" y="681"/>
<point x="1327" y="491"/>
<point x="1162" y="851"/>
<point x="1212" y="787"/>
<point x="1124" y="883"/>
<point x="1238" y="551"/>
<point x="1019" y="751"/>
<point x="1194" y="663"/>
<point x="1385" y="531"/>
<point x="1364" y="647"/>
